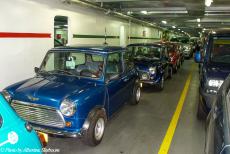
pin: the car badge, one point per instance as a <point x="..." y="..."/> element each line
<point x="32" y="98"/>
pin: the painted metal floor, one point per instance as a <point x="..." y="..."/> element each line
<point x="141" y="129"/>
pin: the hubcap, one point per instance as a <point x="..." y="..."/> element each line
<point x="138" y="94"/>
<point x="99" y="129"/>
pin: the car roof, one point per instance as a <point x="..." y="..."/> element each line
<point x="101" y="49"/>
<point x="146" y="44"/>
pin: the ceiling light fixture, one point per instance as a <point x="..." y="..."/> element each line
<point x="164" y="22"/>
<point x="198" y="19"/>
<point x="179" y="29"/>
<point x="174" y="27"/>
<point x="199" y="25"/>
<point x="144" y="12"/>
<point x="208" y="3"/>
<point x="129" y="12"/>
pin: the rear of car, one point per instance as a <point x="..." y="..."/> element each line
<point x="17" y="136"/>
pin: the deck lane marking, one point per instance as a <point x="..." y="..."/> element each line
<point x="165" y="145"/>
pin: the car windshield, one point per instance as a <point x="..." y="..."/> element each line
<point x="73" y="63"/>
<point x="220" y="51"/>
<point x="144" y="52"/>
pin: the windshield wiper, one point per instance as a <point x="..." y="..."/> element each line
<point x="63" y="71"/>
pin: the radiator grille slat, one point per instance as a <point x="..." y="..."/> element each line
<point x="39" y="114"/>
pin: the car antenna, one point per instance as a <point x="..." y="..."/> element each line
<point x="105" y="43"/>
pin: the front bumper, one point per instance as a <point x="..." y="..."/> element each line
<point x="57" y="132"/>
<point x="207" y="99"/>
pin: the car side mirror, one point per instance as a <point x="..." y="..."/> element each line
<point x="36" y="69"/>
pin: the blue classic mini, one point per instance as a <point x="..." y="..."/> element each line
<point x="214" y="68"/>
<point x="76" y="90"/>
<point x="152" y="62"/>
<point x="17" y="136"/>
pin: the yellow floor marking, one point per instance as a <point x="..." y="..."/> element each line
<point x="165" y="145"/>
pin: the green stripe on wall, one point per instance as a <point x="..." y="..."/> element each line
<point x="95" y="36"/>
<point x="147" y="38"/>
<point x="111" y="37"/>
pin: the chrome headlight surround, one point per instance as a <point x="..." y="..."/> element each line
<point x="68" y="108"/>
<point x="215" y="83"/>
<point x="6" y="95"/>
<point x="152" y="70"/>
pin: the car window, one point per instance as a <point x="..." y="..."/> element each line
<point x="114" y="65"/>
<point x="74" y="63"/>
<point x="128" y="61"/>
<point x="220" y="51"/>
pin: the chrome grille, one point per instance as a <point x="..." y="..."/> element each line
<point x="39" y="114"/>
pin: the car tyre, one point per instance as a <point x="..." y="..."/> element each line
<point x="161" y="84"/>
<point x="201" y="112"/>
<point x="95" y="132"/>
<point x="136" y="95"/>
<point x="170" y="73"/>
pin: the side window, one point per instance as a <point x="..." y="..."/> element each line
<point x="128" y="62"/>
<point x="114" y="65"/>
<point x="97" y="58"/>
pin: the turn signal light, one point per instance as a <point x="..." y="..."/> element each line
<point x="43" y="138"/>
<point x="68" y="124"/>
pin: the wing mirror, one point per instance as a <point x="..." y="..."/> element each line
<point x="36" y="69"/>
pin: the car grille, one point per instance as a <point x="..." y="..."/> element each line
<point x="39" y="114"/>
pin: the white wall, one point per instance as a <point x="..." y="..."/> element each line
<point x="20" y="55"/>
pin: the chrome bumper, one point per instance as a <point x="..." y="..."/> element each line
<point x="57" y="132"/>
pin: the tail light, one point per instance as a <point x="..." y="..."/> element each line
<point x="43" y="138"/>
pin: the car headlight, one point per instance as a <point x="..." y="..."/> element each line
<point x="68" y="108"/>
<point x="215" y="83"/>
<point x="152" y="70"/>
<point x="6" y="95"/>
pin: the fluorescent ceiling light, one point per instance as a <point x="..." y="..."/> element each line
<point x="164" y="22"/>
<point x="179" y="29"/>
<point x="129" y="12"/>
<point x="199" y="25"/>
<point x="182" y="31"/>
<point x="144" y="12"/>
<point x="198" y="19"/>
<point x="174" y="27"/>
<point x="204" y="29"/>
<point x="208" y="2"/>
<point x="213" y="32"/>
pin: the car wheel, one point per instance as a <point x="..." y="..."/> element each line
<point x="170" y="73"/>
<point x="135" y="99"/>
<point x="175" y="69"/>
<point x="201" y="112"/>
<point x="94" y="134"/>
<point x="161" y="85"/>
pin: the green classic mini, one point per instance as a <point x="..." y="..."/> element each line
<point x="17" y="136"/>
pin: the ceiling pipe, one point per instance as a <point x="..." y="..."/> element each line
<point x="115" y="13"/>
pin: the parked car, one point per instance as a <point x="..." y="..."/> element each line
<point x="187" y="50"/>
<point x="214" y="68"/>
<point x="17" y="136"/>
<point x="174" y="54"/>
<point x="218" y="123"/>
<point x="152" y="63"/>
<point x="76" y="90"/>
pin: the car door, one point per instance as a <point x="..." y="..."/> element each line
<point x="115" y="81"/>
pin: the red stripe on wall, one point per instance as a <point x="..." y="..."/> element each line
<point x="24" y="35"/>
